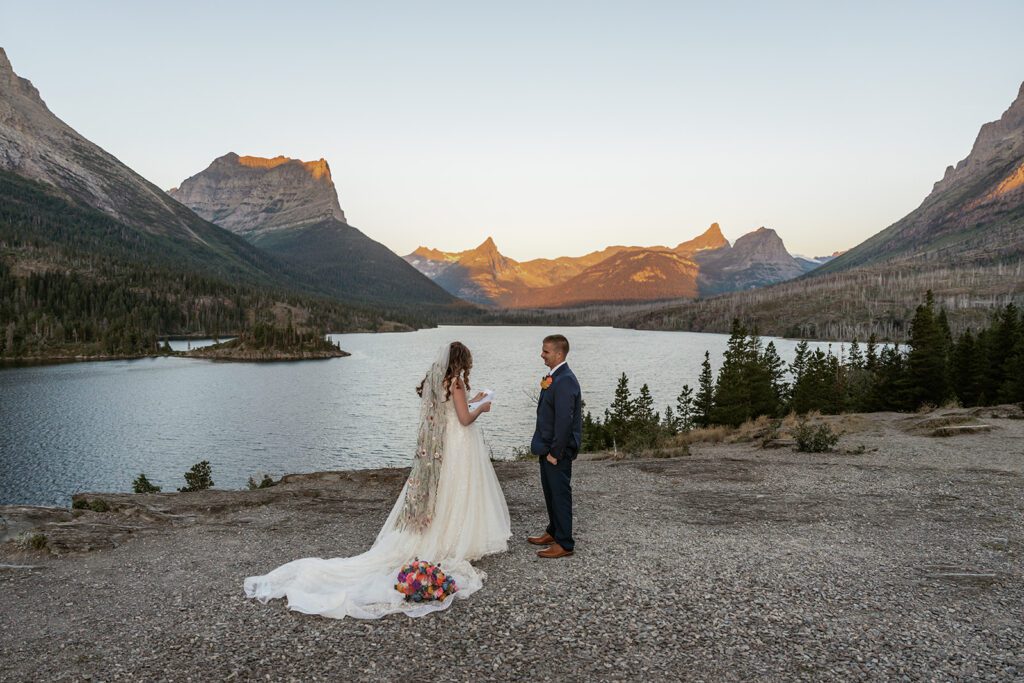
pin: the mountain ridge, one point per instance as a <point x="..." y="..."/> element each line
<point x="615" y="274"/>
<point x="972" y="213"/>
<point x="290" y="209"/>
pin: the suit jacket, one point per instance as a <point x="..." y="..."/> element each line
<point x="559" y="417"/>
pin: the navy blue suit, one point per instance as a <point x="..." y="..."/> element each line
<point x="559" y="432"/>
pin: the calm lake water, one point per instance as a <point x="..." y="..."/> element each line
<point x="96" y="426"/>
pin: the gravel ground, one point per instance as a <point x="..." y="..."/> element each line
<point x="903" y="562"/>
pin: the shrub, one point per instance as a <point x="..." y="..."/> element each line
<point x="716" y="434"/>
<point x="522" y="453"/>
<point x="29" y="541"/>
<point x="265" y="483"/>
<point x="814" y="439"/>
<point x="96" y="505"/>
<point x="143" y="485"/>
<point x="199" y="478"/>
<point x="772" y="432"/>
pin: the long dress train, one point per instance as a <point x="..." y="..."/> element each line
<point x="470" y="520"/>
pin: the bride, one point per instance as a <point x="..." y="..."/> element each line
<point x="450" y="511"/>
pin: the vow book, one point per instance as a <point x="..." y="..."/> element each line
<point x="488" y="395"/>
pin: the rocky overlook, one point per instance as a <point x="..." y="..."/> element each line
<point x="247" y="194"/>
<point x="897" y="558"/>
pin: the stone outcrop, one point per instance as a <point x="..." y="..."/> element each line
<point x="252" y="195"/>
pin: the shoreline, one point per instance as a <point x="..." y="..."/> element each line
<point x="63" y="360"/>
<point x="24" y="361"/>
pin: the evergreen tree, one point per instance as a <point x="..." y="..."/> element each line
<point x="856" y="359"/>
<point x="619" y="417"/>
<point x="670" y="423"/>
<point x="859" y="378"/>
<point x="643" y="408"/>
<point x="927" y="372"/>
<point x="685" y="408"/>
<point x="732" y="403"/>
<point x="595" y="435"/>
<point x="799" y="365"/>
<point x="889" y="388"/>
<point x="775" y="370"/>
<point x="963" y="368"/>
<point x="871" y="354"/>
<point x="705" y="399"/>
<point x="1004" y="343"/>
<point x="1012" y="388"/>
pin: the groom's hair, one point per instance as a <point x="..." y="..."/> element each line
<point x="560" y="342"/>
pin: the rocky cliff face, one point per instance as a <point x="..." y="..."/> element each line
<point x="758" y="258"/>
<point x="974" y="214"/>
<point x="35" y="144"/>
<point x="253" y="195"/>
<point x="290" y="209"/>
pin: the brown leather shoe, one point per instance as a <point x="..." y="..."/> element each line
<point x="554" y="551"/>
<point x="544" y="539"/>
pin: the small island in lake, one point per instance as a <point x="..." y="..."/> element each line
<point x="268" y="343"/>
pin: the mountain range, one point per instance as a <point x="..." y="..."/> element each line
<point x="94" y="259"/>
<point x="250" y="237"/>
<point x="707" y="264"/>
<point x="965" y="242"/>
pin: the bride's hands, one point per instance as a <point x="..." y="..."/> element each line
<point x="466" y="416"/>
<point x="479" y="395"/>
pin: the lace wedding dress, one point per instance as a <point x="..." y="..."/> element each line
<point x="451" y="511"/>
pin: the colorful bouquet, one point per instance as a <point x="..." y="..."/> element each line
<point x="422" y="581"/>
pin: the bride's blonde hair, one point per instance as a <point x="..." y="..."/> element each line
<point x="460" y="362"/>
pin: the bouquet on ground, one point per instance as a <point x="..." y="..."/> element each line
<point x="422" y="581"/>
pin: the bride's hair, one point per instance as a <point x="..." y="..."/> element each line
<point x="460" y="362"/>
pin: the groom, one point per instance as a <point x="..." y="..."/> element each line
<point x="556" y="440"/>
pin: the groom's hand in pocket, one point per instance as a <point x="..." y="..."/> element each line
<point x="552" y="459"/>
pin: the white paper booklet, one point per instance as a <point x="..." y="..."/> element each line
<point x="488" y="396"/>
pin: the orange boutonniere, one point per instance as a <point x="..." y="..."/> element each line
<point x="546" y="382"/>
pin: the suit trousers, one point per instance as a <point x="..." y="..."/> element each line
<point x="556" y="480"/>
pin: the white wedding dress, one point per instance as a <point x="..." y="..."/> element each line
<point x="470" y="520"/>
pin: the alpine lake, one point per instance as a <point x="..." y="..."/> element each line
<point x="94" y="426"/>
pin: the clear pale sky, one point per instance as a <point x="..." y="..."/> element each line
<point x="557" y="128"/>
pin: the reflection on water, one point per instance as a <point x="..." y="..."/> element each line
<point x="96" y="426"/>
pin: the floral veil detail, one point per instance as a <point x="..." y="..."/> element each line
<point x="421" y="490"/>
